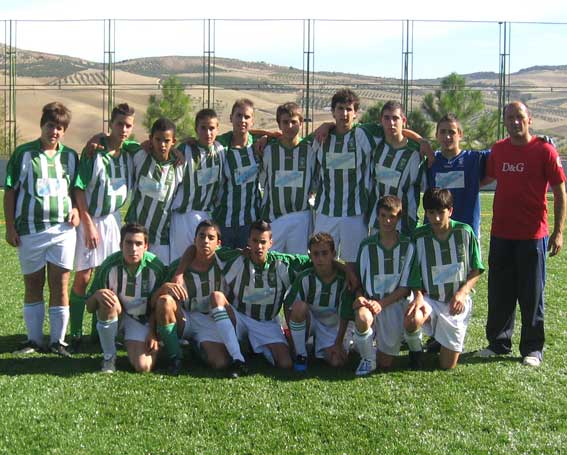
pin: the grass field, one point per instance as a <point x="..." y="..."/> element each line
<point x="497" y="406"/>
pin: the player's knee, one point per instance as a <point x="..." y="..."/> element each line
<point x="411" y="324"/>
<point x="218" y="299"/>
<point x="363" y="319"/>
<point x="218" y="363"/>
<point x="166" y="305"/>
<point x="335" y="361"/>
<point x="298" y="311"/>
<point x="142" y="366"/>
<point x="283" y="360"/>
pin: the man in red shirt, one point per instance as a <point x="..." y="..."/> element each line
<point x="524" y="166"/>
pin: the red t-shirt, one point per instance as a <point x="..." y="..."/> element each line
<point x="523" y="174"/>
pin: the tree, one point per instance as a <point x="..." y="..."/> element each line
<point x="174" y="104"/>
<point x="417" y="121"/>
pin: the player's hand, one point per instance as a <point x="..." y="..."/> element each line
<point x="106" y="297"/>
<point x="457" y="303"/>
<point x="555" y="243"/>
<point x="178" y="279"/>
<point x="322" y="132"/>
<point x="151" y="343"/>
<point x="179" y="157"/>
<point x="425" y="150"/>
<point x="260" y="145"/>
<point x="93" y="145"/>
<point x="374" y="307"/>
<point x="353" y="283"/>
<point x="246" y="252"/>
<point x="146" y="146"/>
<point x="337" y="350"/>
<point x="12" y="236"/>
<point x="74" y="219"/>
<point x="175" y="290"/>
<point x="91" y="235"/>
<point x="359" y="302"/>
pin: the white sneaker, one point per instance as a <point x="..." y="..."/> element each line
<point x="365" y="367"/>
<point x="108" y="365"/>
<point x="531" y="361"/>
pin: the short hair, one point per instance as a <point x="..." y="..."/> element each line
<point x="389" y="202"/>
<point x="162" y="124"/>
<point x="122" y="109"/>
<point x="437" y="199"/>
<point x="345" y="96"/>
<point x="133" y="228"/>
<point x="206" y="224"/>
<point x="391" y="106"/>
<point x="291" y="109"/>
<point x="55" y="112"/>
<point x="321" y="237"/>
<point x="449" y="118"/>
<point x="205" y="114"/>
<point x="515" y="102"/>
<point x="261" y="226"/>
<point x="242" y="102"/>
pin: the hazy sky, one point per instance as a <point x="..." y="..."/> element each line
<point x="363" y="36"/>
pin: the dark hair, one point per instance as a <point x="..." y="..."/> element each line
<point x="133" y="228"/>
<point x="122" y="109"/>
<point x="322" y="237"/>
<point x="345" y="96"/>
<point x="57" y="113"/>
<point x="449" y="118"/>
<point x="242" y="102"/>
<point x="437" y="199"/>
<point x="260" y="226"/>
<point x="389" y="202"/>
<point x="391" y="106"/>
<point x="290" y="109"/>
<point x="206" y="224"/>
<point x="205" y="114"/>
<point x="163" y="124"/>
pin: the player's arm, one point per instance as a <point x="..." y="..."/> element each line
<point x="399" y="293"/>
<point x="457" y="302"/>
<point x="12" y="236"/>
<point x="556" y="238"/>
<point x="91" y="232"/>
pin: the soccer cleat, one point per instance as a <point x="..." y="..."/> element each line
<point x="108" y="365"/>
<point x="29" y="347"/>
<point x="531" y="361"/>
<point x="415" y="360"/>
<point x="174" y="366"/>
<point x="300" y="364"/>
<point x="59" y="349"/>
<point x="365" y="367"/>
<point x="487" y="352"/>
<point x="237" y="369"/>
<point x="75" y="345"/>
<point x="432" y="346"/>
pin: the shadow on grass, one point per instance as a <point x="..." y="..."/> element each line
<point x="469" y="358"/>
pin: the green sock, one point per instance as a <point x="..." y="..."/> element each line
<point x="76" y="310"/>
<point x="94" y="331"/>
<point x="168" y="334"/>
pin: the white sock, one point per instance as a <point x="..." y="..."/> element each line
<point x="363" y="343"/>
<point x="298" y="330"/>
<point x="107" y="334"/>
<point x="413" y="339"/>
<point x="227" y="333"/>
<point x="34" y="314"/>
<point x="58" y="320"/>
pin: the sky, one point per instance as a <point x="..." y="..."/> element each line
<point x="362" y="37"/>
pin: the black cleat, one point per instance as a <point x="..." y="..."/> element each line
<point x="59" y="349"/>
<point x="432" y="346"/>
<point x="174" y="366"/>
<point x="237" y="369"/>
<point x="75" y="345"/>
<point x="416" y="360"/>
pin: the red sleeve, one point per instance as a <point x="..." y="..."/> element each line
<point x="553" y="167"/>
<point x="490" y="171"/>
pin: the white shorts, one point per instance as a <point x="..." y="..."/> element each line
<point x="259" y="333"/>
<point x="183" y="229"/>
<point x="449" y="330"/>
<point x="108" y="228"/>
<point x="200" y="327"/>
<point x="134" y="330"/>
<point x="161" y="251"/>
<point x="55" y="245"/>
<point x="291" y="232"/>
<point x="324" y="336"/>
<point x="348" y="232"/>
<point x="389" y="327"/>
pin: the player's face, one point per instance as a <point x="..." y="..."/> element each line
<point x="388" y="219"/>
<point x="207" y="241"/>
<point x="51" y="134"/>
<point x="207" y="130"/>
<point x="439" y="219"/>
<point x="259" y="244"/>
<point x="517" y="120"/>
<point x="393" y="122"/>
<point x="290" y="126"/>
<point x="344" y="115"/>
<point x="449" y="136"/>
<point x="121" y="127"/>
<point x="162" y="142"/>
<point x="242" y="119"/>
<point x="133" y="247"/>
<point x="322" y="257"/>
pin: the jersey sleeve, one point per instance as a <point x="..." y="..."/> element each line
<point x="346" y="311"/>
<point x="491" y="165"/>
<point x="553" y="167"/>
<point x="482" y="163"/>
<point x="294" y="293"/>
<point x="85" y="173"/>
<point x="13" y="169"/>
<point x="99" y="280"/>
<point x="414" y="280"/>
<point x="475" y="260"/>
<point x="406" y="269"/>
<point x="295" y="263"/>
<point x="374" y="129"/>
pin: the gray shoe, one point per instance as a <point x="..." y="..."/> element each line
<point x="108" y="365"/>
<point x="29" y="347"/>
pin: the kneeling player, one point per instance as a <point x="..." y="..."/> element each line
<point x="445" y="268"/>
<point x="122" y="287"/>
<point x="316" y="298"/>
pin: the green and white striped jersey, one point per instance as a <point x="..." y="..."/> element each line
<point x="134" y="290"/>
<point x="202" y="178"/>
<point x="440" y="267"/>
<point x="200" y="285"/>
<point x="382" y="270"/>
<point x="286" y="179"/>
<point x="398" y="172"/>
<point x="240" y="193"/>
<point x="42" y="185"/>
<point x="343" y="173"/>
<point x="326" y="300"/>
<point x="106" y="179"/>
<point x="155" y="184"/>
<point x="259" y="290"/>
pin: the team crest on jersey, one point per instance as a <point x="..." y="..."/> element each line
<point x="402" y="163"/>
<point x="145" y="287"/>
<point x="302" y="163"/>
<point x="272" y="278"/>
<point x="351" y="146"/>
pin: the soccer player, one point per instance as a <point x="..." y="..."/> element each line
<point x="287" y="170"/>
<point x="156" y="178"/>
<point x="383" y="266"/>
<point x="314" y="304"/>
<point x="199" y="310"/>
<point x="199" y="192"/>
<point x="445" y="268"/>
<point x="101" y="190"/>
<point x="40" y="221"/>
<point x="122" y="287"/>
<point x="397" y="168"/>
<point x="240" y="193"/>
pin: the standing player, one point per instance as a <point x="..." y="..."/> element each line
<point x="288" y="165"/>
<point x="40" y="221"/>
<point x="122" y="286"/>
<point x="101" y="190"/>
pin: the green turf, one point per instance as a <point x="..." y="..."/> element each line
<point x="52" y="405"/>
